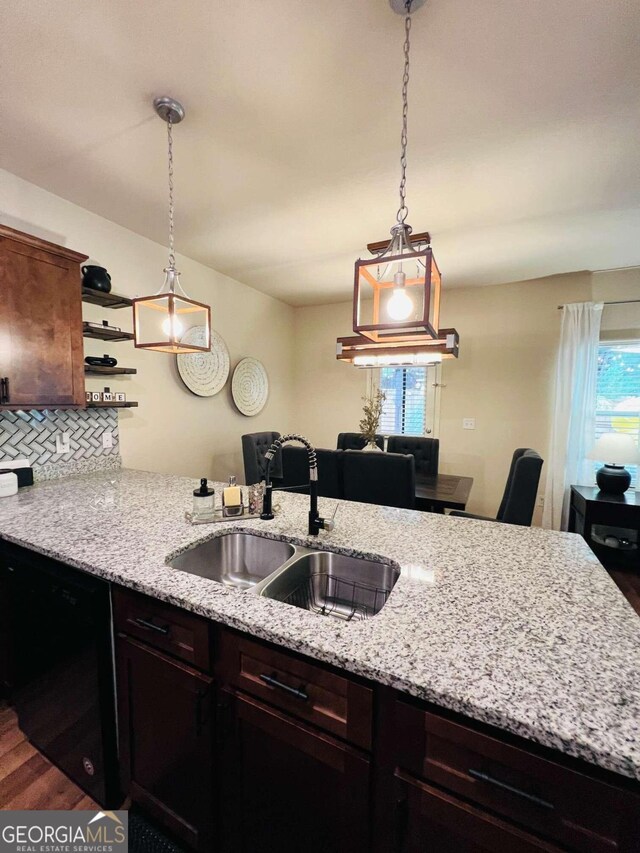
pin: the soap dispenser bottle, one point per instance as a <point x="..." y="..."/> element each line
<point x="203" y="500"/>
<point x="232" y="499"/>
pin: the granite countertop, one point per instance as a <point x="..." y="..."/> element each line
<point x="517" y="627"/>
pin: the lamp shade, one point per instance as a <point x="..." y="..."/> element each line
<point x="615" y="448"/>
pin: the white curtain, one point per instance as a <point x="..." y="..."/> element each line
<point x="573" y="431"/>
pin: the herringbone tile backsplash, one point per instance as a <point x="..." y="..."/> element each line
<point x="32" y="435"/>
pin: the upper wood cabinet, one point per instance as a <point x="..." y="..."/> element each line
<point x="41" y="347"/>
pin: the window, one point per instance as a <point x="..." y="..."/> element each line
<point x="409" y="405"/>
<point x="618" y="393"/>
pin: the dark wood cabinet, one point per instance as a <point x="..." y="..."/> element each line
<point x="341" y="705"/>
<point x="428" y="819"/>
<point x="578" y="812"/>
<point x="284" y="753"/>
<point x="289" y="787"/>
<point x="166" y="725"/>
<point x="41" y="352"/>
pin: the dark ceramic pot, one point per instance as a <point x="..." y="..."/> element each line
<point x="96" y="278"/>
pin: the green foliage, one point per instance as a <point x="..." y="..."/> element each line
<point x="371" y="414"/>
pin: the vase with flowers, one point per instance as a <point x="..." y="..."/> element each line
<point x="370" y="423"/>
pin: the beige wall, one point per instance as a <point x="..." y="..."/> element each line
<point x="328" y="392"/>
<point x="618" y="321"/>
<point x="172" y="430"/>
<point x="504" y="377"/>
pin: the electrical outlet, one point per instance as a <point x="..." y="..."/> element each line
<point x="468" y="423"/>
<point x="541" y="500"/>
<point x="107" y="439"/>
<point x="63" y="442"/>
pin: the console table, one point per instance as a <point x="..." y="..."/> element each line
<point x="610" y="524"/>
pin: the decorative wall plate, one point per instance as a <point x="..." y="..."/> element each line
<point x="204" y="373"/>
<point x="250" y="386"/>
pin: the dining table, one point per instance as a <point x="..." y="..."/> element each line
<point x="437" y="492"/>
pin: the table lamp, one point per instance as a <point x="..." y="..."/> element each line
<point x="615" y="449"/>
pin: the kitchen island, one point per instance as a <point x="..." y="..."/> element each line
<point x="519" y="629"/>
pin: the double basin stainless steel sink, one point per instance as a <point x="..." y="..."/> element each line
<point x="347" y="588"/>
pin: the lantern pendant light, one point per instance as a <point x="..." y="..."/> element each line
<point x="161" y="321"/>
<point x="397" y="294"/>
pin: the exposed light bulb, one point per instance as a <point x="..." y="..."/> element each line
<point x="172" y="327"/>
<point x="400" y="306"/>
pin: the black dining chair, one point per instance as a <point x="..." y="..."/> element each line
<point x="254" y="448"/>
<point x="387" y="479"/>
<point x="356" y="441"/>
<point x="425" y="451"/>
<point x="519" y="499"/>
<point x="295" y="471"/>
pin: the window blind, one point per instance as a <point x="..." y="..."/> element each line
<point x="404" y="409"/>
<point x="618" y="393"/>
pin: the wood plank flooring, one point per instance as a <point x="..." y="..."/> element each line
<point x="27" y="779"/>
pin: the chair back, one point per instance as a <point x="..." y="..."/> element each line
<point x="356" y="441"/>
<point x="424" y="450"/>
<point x="254" y="448"/>
<point x="387" y="479"/>
<point x="295" y="470"/>
<point x="519" y="499"/>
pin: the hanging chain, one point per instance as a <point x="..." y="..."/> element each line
<point x="172" y="256"/>
<point x="403" y="210"/>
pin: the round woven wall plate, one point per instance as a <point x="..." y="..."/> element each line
<point x="204" y="373"/>
<point x="250" y="386"/>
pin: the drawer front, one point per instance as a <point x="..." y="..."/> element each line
<point x="307" y="690"/>
<point x="163" y="626"/>
<point x="584" y="814"/>
<point x="429" y="820"/>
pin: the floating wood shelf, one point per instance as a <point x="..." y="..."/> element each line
<point x="105" y="300"/>
<point x="128" y="405"/>
<point x="104" y="334"/>
<point x="100" y="370"/>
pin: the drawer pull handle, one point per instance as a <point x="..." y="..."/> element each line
<point x="159" y="629"/>
<point x="484" y="777"/>
<point x="272" y="681"/>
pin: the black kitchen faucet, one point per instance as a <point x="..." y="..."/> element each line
<point x="316" y="524"/>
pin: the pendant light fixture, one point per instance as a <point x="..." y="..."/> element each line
<point x="161" y="321"/>
<point x="396" y="298"/>
<point x="361" y="352"/>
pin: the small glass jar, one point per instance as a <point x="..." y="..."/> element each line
<point x="256" y="493"/>
<point x="203" y="500"/>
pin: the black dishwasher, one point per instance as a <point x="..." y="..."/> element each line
<point x="57" y="666"/>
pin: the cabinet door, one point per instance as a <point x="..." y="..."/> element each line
<point x="427" y="819"/>
<point x="166" y="744"/>
<point x="40" y="324"/>
<point x="290" y="788"/>
<point x="6" y="631"/>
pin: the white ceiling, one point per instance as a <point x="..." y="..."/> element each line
<point x="524" y="143"/>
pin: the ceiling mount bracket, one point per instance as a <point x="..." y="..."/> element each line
<point x="169" y="109"/>
<point x="400" y="6"/>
